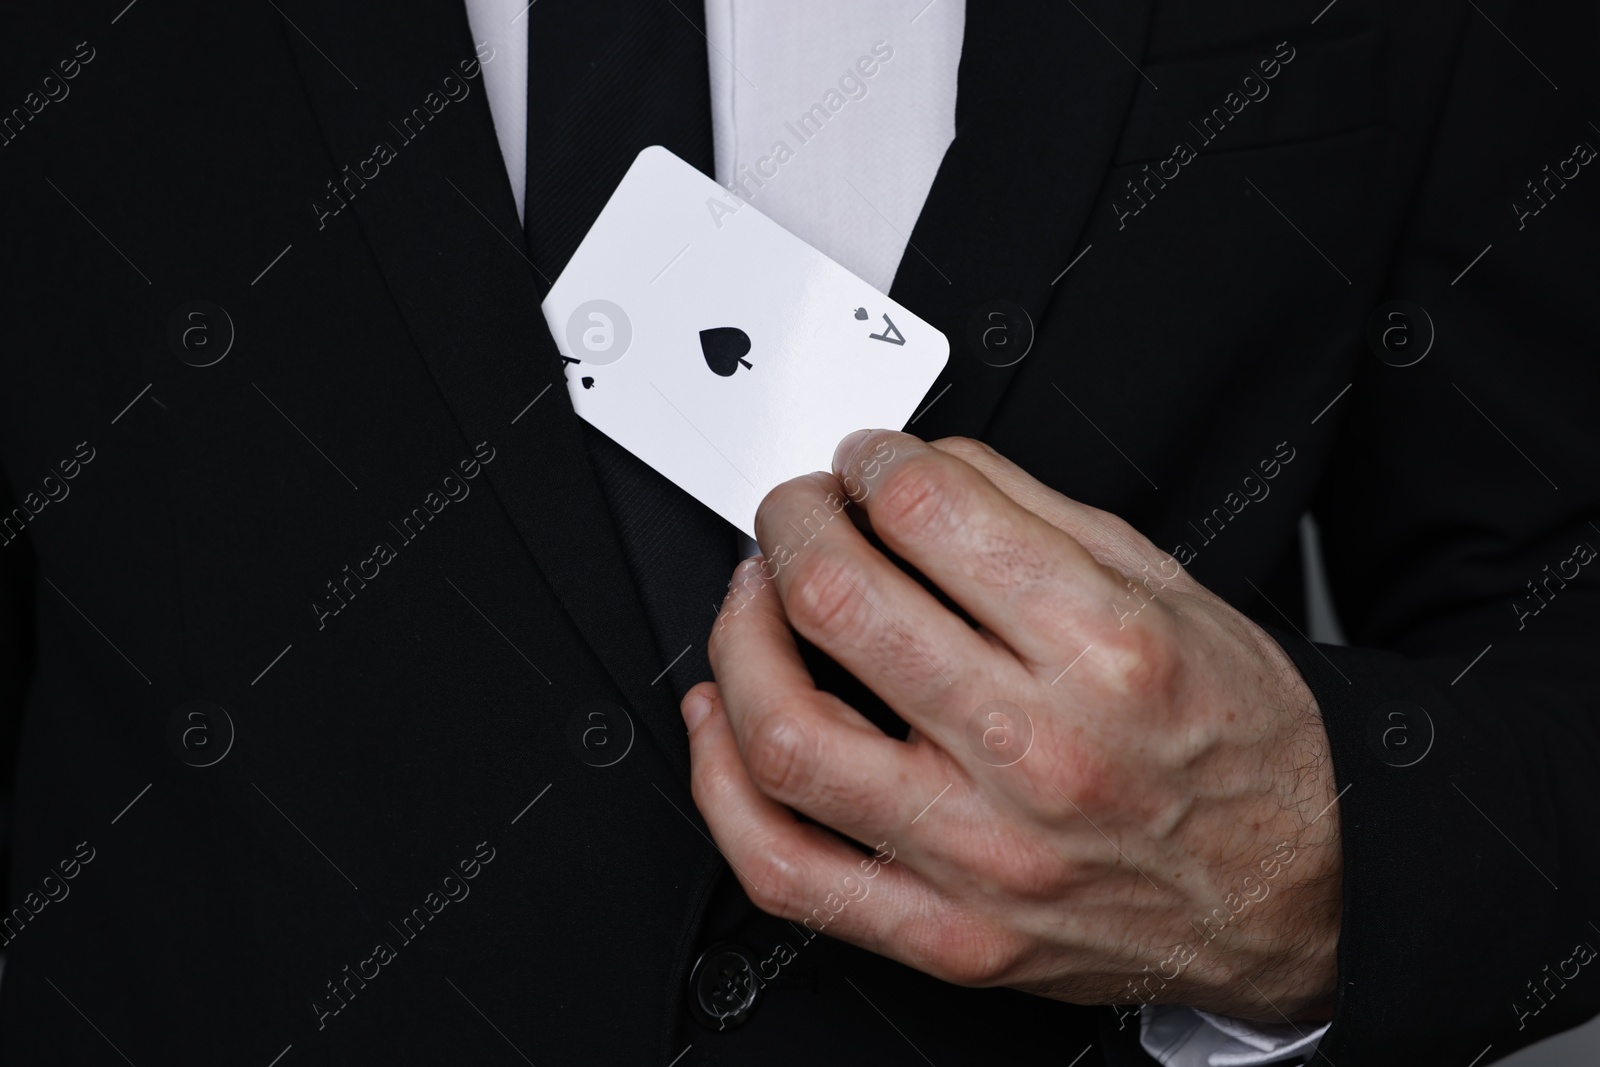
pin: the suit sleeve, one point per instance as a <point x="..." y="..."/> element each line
<point x="1461" y="517"/>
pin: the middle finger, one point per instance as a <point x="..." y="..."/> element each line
<point x="849" y="600"/>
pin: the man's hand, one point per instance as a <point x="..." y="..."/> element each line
<point x="1116" y="788"/>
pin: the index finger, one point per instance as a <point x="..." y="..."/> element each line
<point x="1027" y="581"/>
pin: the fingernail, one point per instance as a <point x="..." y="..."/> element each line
<point x="847" y="447"/>
<point x="696" y="706"/>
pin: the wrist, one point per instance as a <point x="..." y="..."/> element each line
<point x="1277" y="961"/>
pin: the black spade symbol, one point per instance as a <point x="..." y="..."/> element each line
<point x="724" y="348"/>
<point x="588" y="383"/>
<point x="861" y="313"/>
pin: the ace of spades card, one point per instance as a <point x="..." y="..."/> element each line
<point x="722" y="350"/>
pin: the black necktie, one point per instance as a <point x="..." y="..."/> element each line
<point x="607" y="78"/>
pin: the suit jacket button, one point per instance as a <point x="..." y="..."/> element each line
<point x="723" y="987"/>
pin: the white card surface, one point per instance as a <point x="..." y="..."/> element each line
<point x="722" y="350"/>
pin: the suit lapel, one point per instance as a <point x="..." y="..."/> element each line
<point x="441" y="221"/>
<point x="1040" y="103"/>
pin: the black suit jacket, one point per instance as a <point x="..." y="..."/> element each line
<point x="361" y="878"/>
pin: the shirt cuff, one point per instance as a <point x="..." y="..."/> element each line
<point x="1177" y="1036"/>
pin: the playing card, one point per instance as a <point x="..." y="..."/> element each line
<point x="722" y="350"/>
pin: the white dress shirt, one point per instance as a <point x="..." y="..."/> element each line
<point x="861" y="97"/>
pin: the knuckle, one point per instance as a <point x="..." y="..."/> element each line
<point x="916" y="499"/>
<point x="967" y="448"/>
<point x="1038" y="875"/>
<point x="779" y="755"/>
<point x="1139" y="659"/>
<point x="1083" y="778"/>
<point x="716" y="638"/>
<point x="1091" y="787"/>
<point x="772" y="885"/>
<point x="973" y="955"/>
<point x="825" y="597"/>
<point x="712" y="789"/>
<point x="1110" y="523"/>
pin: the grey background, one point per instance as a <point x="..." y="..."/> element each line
<point x="1575" y="1046"/>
